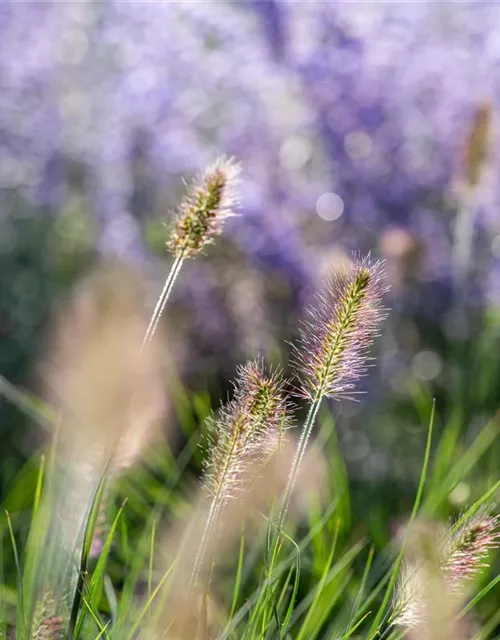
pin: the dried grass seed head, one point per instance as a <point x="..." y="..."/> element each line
<point x="332" y="353"/>
<point x="210" y="200"/>
<point x="110" y="389"/>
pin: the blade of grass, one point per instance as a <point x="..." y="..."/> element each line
<point x="291" y="604"/>
<point x="237" y="582"/>
<point x="112" y="601"/>
<point x="336" y="570"/>
<point x="85" y="554"/>
<point x="38" y="489"/>
<point x="151" y="553"/>
<point x="361" y="589"/>
<point x="94" y="590"/>
<point x="374" y="629"/>
<point x="479" y="596"/>
<point x="19" y="579"/>
<point x="358" y="624"/>
<point x="101" y="627"/>
<point x="464" y="464"/>
<point x="320" y="586"/>
<point x="148" y="603"/>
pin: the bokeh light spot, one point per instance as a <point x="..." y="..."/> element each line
<point x="295" y="152"/>
<point x="358" y="145"/>
<point x="426" y="365"/>
<point x="329" y="206"/>
<point x="460" y="494"/>
<point x="495" y="246"/>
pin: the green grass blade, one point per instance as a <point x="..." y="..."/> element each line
<point x="19" y="579"/>
<point x="321" y="584"/>
<point x="479" y="596"/>
<point x="38" y="489"/>
<point x="351" y="630"/>
<point x="87" y="544"/>
<point x="380" y="613"/>
<point x="96" y="581"/>
<point x="237" y="582"/>
<point x="148" y="603"/>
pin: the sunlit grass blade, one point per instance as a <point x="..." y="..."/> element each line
<point x="237" y="580"/>
<point x="293" y="596"/>
<point x="149" y="602"/>
<point x="38" y="489"/>
<point x="338" y="570"/>
<point x="96" y="582"/>
<point x="479" y="596"/>
<point x="19" y="579"/>
<point x="362" y="586"/>
<point x="85" y="554"/>
<point x="351" y="630"/>
<point x="305" y="628"/>
<point x="466" y="461"/>
<point x="102" y="628"/>
<point x="395" y="571"/>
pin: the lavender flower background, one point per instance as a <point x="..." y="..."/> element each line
<point x="350" y="121"/>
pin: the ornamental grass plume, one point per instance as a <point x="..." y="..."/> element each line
<point x="208" y="202"/>
<point x="263" y="481"/>
<point x="244" y="434"/>
<point x="47" y="623"/>
<point x="332" y="353"/>
<point x="334" y="342"/>
<point x="109" y="393"/>
<point x="460" y="552"/>
<point x="475" y="159"/>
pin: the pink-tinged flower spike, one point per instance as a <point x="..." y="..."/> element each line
<point x="465" y="550"/>
<point x="334" y="343"/>
<point x="333" y="349"/>
<point x="209" y="201"/>
<point x="47" y="624"/>
<point x="246" y="429"/>
<point x="244" y="434"/>
<point x="461" y="552"/>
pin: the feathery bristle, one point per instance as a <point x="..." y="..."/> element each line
<point x="110" y="391"/>
<point x="248" y="428"/>
<point x="460" y="553"/>
<point x="47" y="625"/>
<point x="332" y="353"/>
<point x="109" y="387"/>
<point x="465" y="551"/>
<point x="208" y="203"/>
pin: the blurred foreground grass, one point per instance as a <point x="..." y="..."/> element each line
<point x="337" y="563"/>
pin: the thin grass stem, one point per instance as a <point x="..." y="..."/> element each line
<point x="163" y="298"/>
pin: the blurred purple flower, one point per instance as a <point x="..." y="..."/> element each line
<point x="348" y="119"/>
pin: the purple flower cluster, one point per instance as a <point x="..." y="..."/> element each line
<point x="349" y="119"/>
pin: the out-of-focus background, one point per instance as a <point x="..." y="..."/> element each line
<point x="360" y="126"/>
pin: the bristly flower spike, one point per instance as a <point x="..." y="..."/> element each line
<point x="246" y="429"/>
<point x="466" y="549"/>
<point x="462" y="552"/>
<point x="334" y="343"/>
<point x="210" y="200"/>
<point x="245" y="433"/>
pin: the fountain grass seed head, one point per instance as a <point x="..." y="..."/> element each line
<point x="209" y="201"/>
<point x="334" y="341"/>
<point x="247" y="430"/>
<point x="460" y="553"/>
